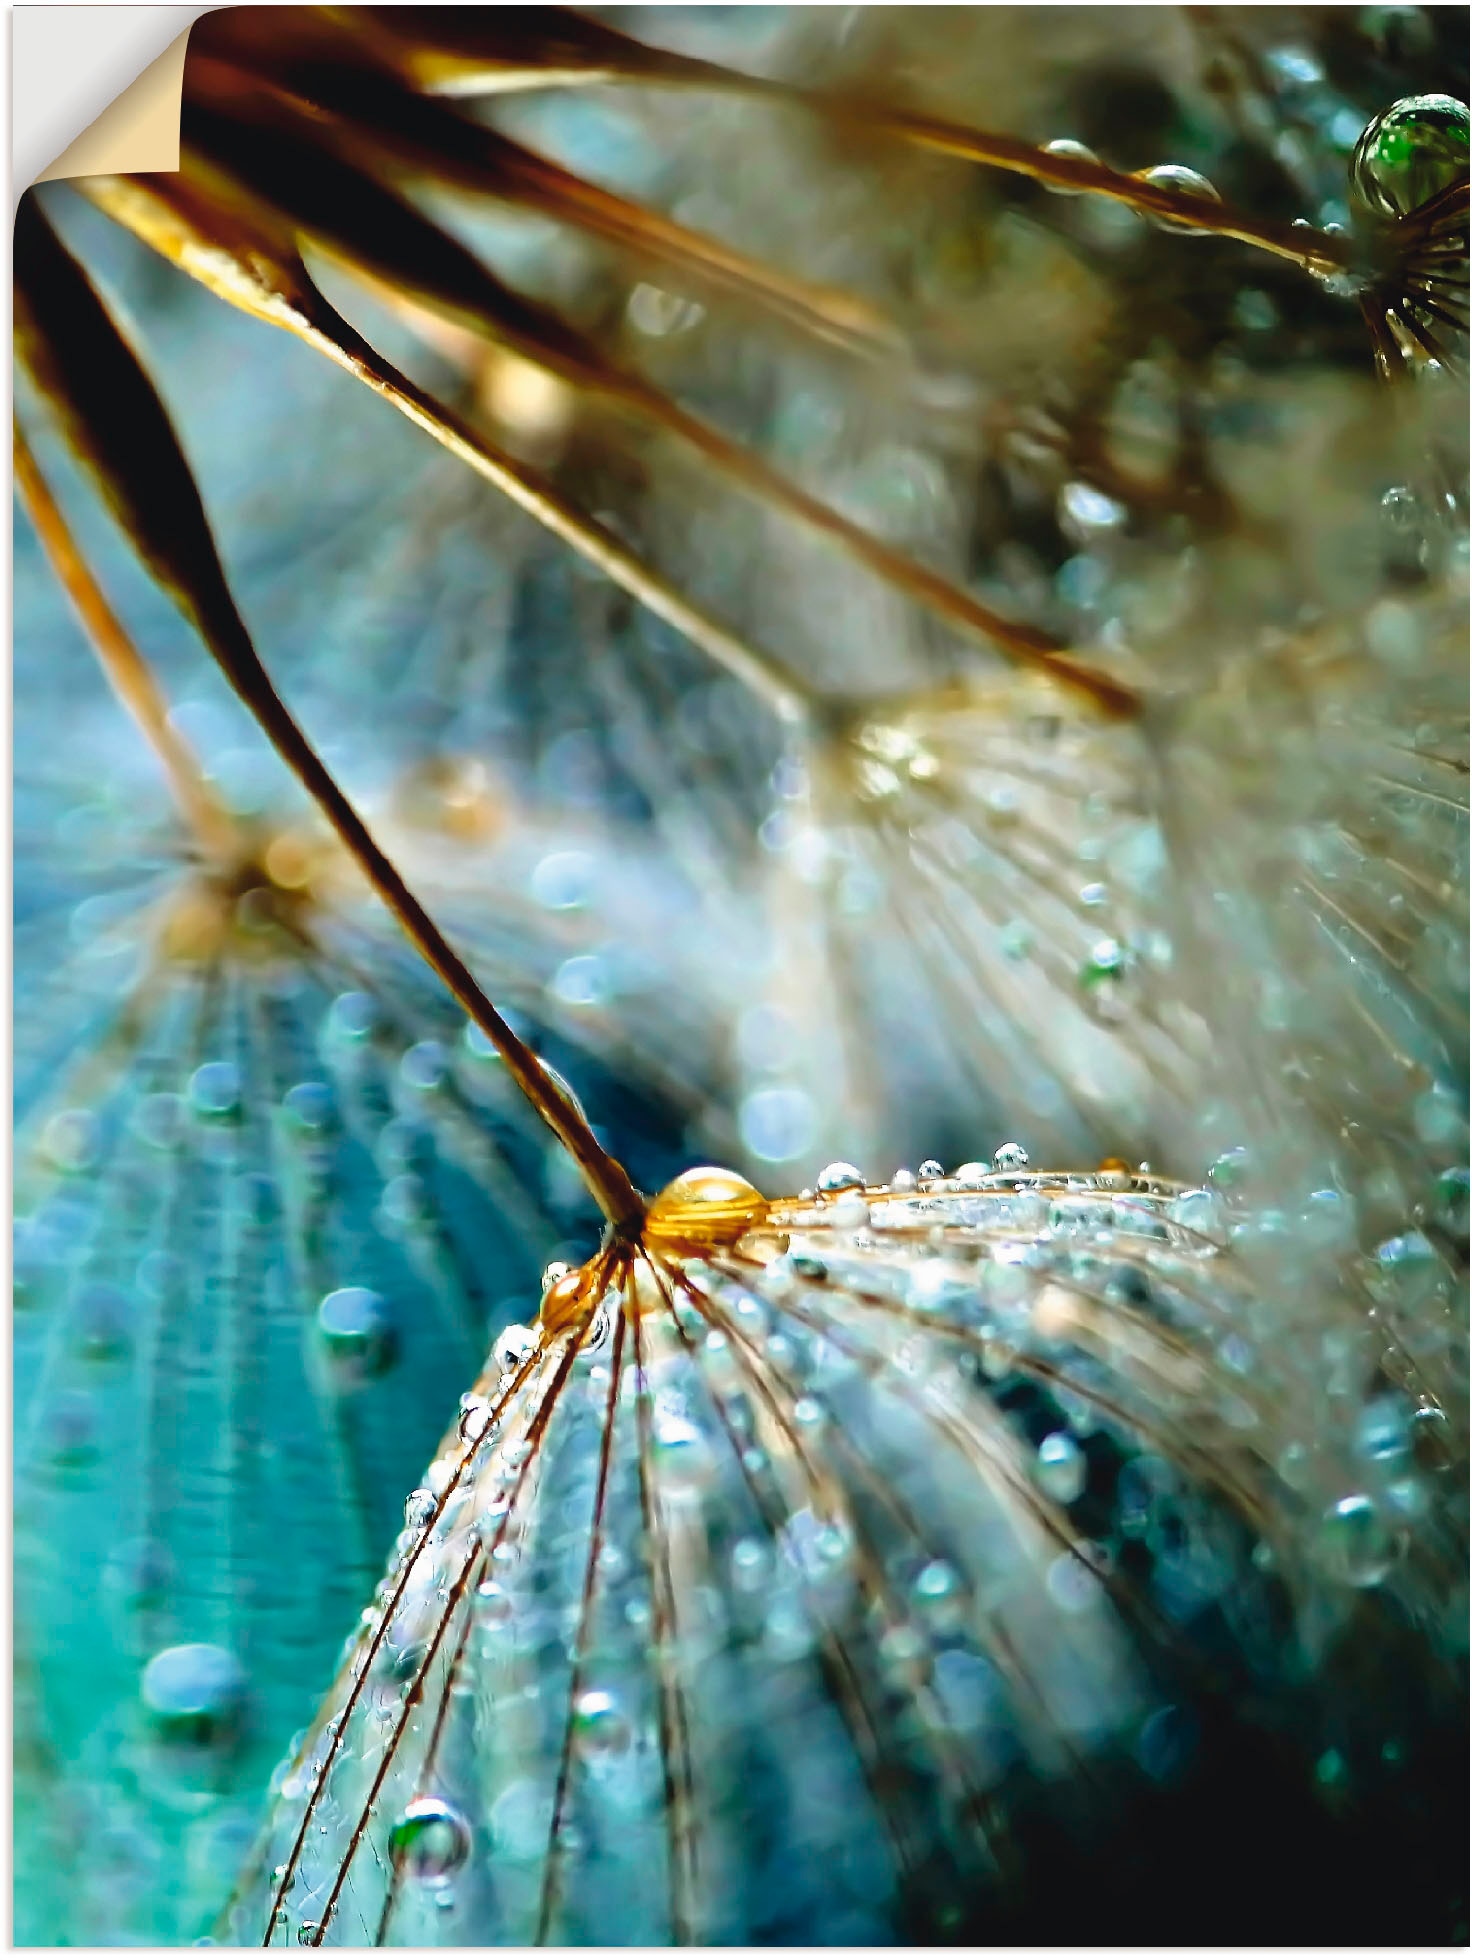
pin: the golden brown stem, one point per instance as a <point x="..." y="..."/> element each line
<point x="1314" y="251"/>
<point x="605" y="1177"/>
<point x="128" y="673"/>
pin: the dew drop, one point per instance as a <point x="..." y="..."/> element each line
<point x="930" y="1170"/>
<point x="430" y="1841"/>
<point x="599" y="1726"/>
<point x="214" y="1092"/>
<point x="1410" y="152"/>
<point x="353" y="1017"/>
<point x="1009" y="1157"/>
<point x="682" y="1455"/>
<point x="1062" y="1467"/>
<point x="419" y="1508"/>
<point x="513" y="1345"/>
<point x="1383" y="1433"/>
<point x="1178" y="177"/>
<point x="357" y="1331"/>
<point x="425" y="1066"/>
<point x="309" y="1107"/>
<point x="840" y="1177"/>
<point x="1101" y="979"/>
<point x="1068" y="151"/>
<point x="1199" y="1214"/>
<point x="1358" y="1546"/>
<point x="71" y="1139"/>
<point x="195" y="1693"/>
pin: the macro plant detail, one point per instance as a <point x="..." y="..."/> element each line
<point x="976" y="648"/>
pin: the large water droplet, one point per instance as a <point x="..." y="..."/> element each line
<point x="840" y="1177"/>
<point x="430" y="1841"/>
<point x="357" y="1331"/>
<point x="195" y="1694"/>
<point x="1410" y="151"/>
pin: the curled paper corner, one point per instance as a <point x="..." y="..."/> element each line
<point x="97" y="90"/>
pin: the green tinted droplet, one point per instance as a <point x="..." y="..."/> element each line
<point x="430" y="1841"/>
<point x="1410" y="151"/>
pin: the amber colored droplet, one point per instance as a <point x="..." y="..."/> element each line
<point x="565" y="1300"/>
<point x="287" y="862"/>
<point x="703" y="1207"/>
<point x="1113" y="1164"/>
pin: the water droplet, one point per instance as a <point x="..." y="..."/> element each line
<point x="425" y="1066"/>
<point x="1178" y="177"/>
<point x="682" y="1455"/>
<point x="600" y="1727"/>
<point x="655" y="312"/>
<point x="1062" y="1467"/>
<point x="309" y="1107"/>
<point x="930" y="1170"/>
<point x="72" y="1139"/>
<point x="513" y="1346"/>
<point x="1199" y="1214"/>
<point x="1101" y="978"/>
<point x="564" y="881"/>
<point x="214" y="1092"/>
<point x="353" y="1017"/>
<point x="195" y="1694"/>
<point x="493" y="1607"/>
<point x="419" y="1508"/>
<point x="840" y="1177"/>
<point x="1358" y="1546"/>
<point x="1383" y="1433"/>
<point x="1069" y="151"/>
<point x="430" y="1841"/>
<point x="357" y="1331"/>
<point x="475" y="1418"/>
<point x="1083" y="511"/>
<point x="939" y="1596"/>
<point x="705" y="1206"/>
<point x="1009" y="1157"/>
<point x="1409" y="152"/>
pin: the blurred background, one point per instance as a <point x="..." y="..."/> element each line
<point x="897" y="898"/>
